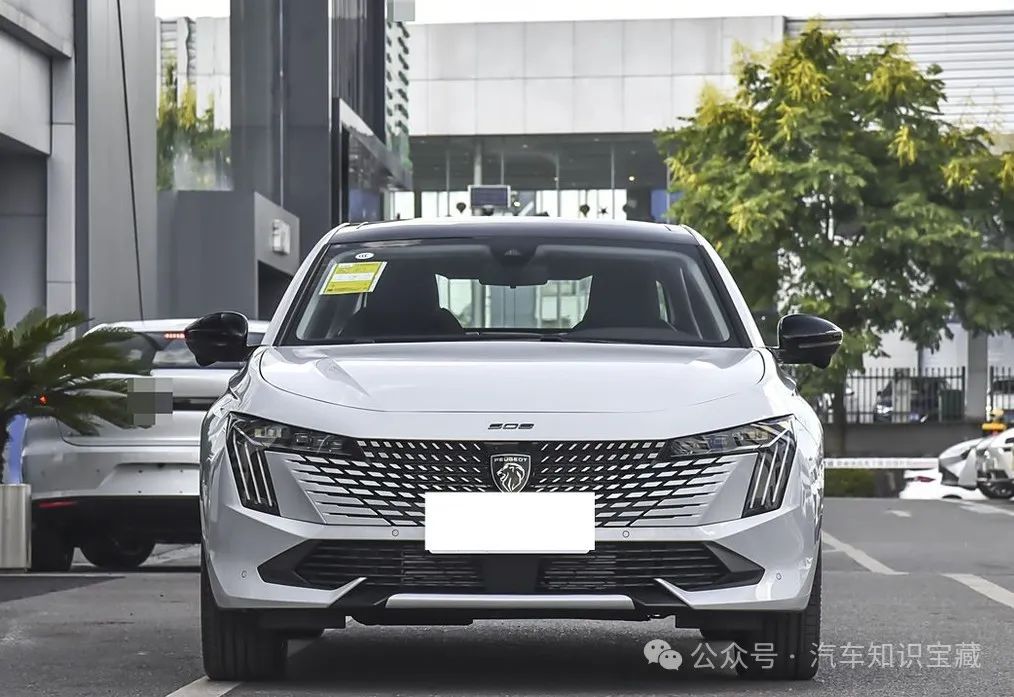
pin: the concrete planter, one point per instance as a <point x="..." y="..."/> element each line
<point x="15" y="527"/>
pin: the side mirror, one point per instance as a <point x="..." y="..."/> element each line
<point x="807" y="339"/>
<point x="220" y="336"/>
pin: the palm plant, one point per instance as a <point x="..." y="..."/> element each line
<point x="80" y="384"/>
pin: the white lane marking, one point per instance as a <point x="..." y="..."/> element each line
<point x="900" y="514"/>
<point x="859" y="556"/>
<point x="203" y="687"/>
<point x="175" y="554"/>
<point x="983" y="509"/>
<point x="986" y="588"/>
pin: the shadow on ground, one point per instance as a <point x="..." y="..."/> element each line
<point x="512" y="659"/>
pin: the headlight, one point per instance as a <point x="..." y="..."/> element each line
<point x="739" y="439"/>
<point x="775" y="445"/>
<point x="250" y="438"/>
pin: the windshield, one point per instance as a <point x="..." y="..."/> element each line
<point x="512" y="288"/>
<point x="162" y="350"/>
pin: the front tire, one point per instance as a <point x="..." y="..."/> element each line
<point x="793" y="638"/>
<point x="51" y="551"/>
<point x="233" y="645"/>
<point x="116" y="554"/>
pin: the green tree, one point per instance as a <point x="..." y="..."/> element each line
<point x="80" y="384"/>
<point x="830" y="184"/>
<point x="180" y="130"/>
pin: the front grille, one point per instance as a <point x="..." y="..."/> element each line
<point x="382" y="482"/>
<point x="689" y="565"/>
<point x="634" y="483"/>
<point x="611" y="567"/>
<point x="332" y="564"/>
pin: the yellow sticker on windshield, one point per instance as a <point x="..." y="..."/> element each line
<point x="357" y="277"/>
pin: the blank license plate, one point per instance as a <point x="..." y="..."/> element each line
<point x="516" y="523"/>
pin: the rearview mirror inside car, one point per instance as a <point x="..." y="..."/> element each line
<point x="805" y="339"/>
<point x="220" y="336"/>
<point x="514" y="276"/>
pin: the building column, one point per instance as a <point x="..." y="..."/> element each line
<point x="477" y="163"/>
<point x="115" y="158"/>
<point x="254" y="37"/>
<point x="977" y="377"/>
<point x="63" y="224"/>
<point x="307" y="184"/>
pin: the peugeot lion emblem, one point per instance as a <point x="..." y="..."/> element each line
<point x="510" y="471"/>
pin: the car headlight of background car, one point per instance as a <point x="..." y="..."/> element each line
<point x="775" y="445"/>
<point x="772" y="440"/>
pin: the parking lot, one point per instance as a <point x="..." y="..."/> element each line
<point x="933" y="579"/>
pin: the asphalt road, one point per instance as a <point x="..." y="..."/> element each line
<point x="929" y="577"/>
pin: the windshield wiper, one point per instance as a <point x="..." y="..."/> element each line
<point x="408" y="338"/>
<point x="577" y="339"/>
<point x="504" y="336"/>
<point x="580" y="338"/>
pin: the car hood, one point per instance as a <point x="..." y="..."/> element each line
<point x="520" y="377"/>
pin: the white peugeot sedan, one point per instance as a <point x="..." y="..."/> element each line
<point x="510" y="418"/>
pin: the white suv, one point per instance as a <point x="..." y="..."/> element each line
<point x="508" y="418"/>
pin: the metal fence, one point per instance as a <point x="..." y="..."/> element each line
<point x="1001" y="387"/>
<point x="902" y="395"/>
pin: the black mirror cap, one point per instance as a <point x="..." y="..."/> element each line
<point x="805" y="339"/>
<point x="220" y="336"/>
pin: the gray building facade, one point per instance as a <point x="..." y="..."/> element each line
<point x="77" y="141"/>
<point x="307" y="139"/>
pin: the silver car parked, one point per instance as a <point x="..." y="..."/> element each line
<point x="119" y="492"/>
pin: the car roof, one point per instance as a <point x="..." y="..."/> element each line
<point x="523" y="226"/>
<point x="173" y="325"/>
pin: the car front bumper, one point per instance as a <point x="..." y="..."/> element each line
<point x="251" y="555"/>
<point x="379" y="571"/>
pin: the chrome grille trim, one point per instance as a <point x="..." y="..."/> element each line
<point x="489" y="601"/>
<point x="635" y="483"/>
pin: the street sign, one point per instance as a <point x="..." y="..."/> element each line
<point x="489" y="195"/>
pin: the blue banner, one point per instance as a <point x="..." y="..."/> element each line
<point x="15" y="441"/>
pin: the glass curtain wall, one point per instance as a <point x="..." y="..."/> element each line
<point x="619" y="177"/>
<point x="366" y="166"/>
<point x="193" y="131"/>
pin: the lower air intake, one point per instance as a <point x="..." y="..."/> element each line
<point x="610" y="568"/>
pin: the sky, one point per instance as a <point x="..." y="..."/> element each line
<point x="446" y="11"/>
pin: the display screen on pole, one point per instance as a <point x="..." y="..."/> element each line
<point x="495" y="195"/>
